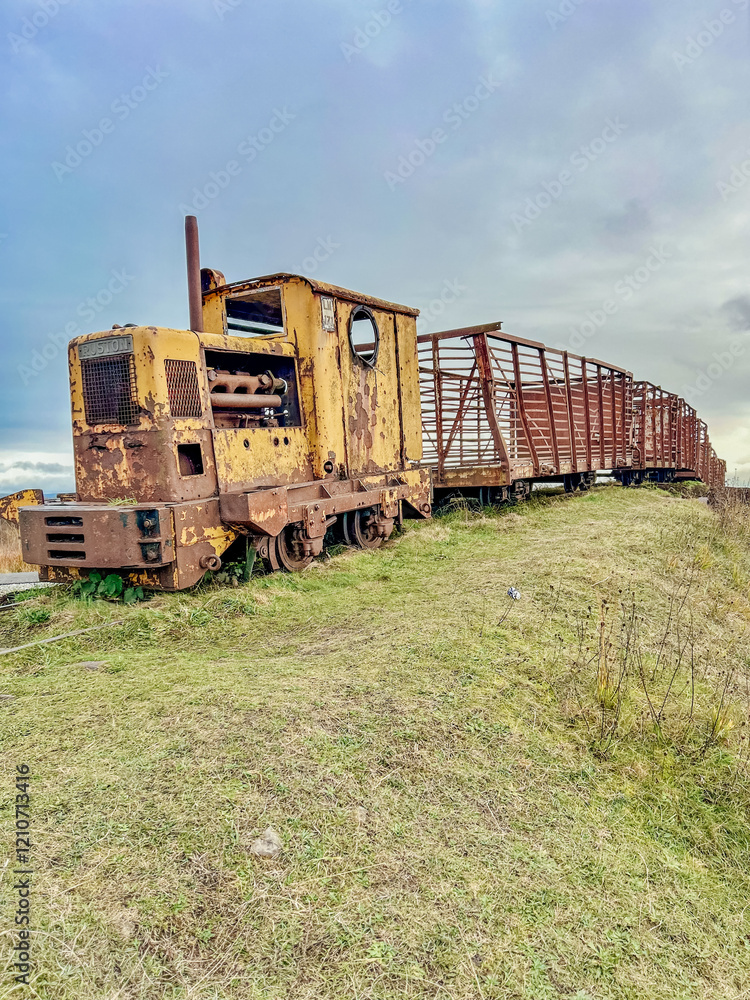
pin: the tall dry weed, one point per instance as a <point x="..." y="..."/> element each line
<point x="10" y="550"/>
<point x="634" y="677"/>
<point x="733" y="516"/>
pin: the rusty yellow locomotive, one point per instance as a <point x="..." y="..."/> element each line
<point x="288" y="406"/>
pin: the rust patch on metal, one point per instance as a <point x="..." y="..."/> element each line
<point x="10" y="505"/>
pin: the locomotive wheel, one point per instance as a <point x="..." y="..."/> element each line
<point x="361" y="529"/>
<point x="290" y="555"/>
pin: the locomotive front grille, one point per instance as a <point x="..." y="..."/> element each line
<point x="109" y="390"/>
<point x="182" y="386"/>
<point x="66" y="531"/>
<point x="97" y="536"/>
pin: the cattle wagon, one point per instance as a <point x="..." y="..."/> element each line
<point x="670" y="442"/>
<point x="500" y="412"/>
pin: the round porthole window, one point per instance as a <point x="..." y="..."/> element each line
<point x="364" y="335"/>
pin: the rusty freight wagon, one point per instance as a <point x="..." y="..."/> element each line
<point x="659" y="427"/>
<point x="500" y="413"/>
<point x="669" y="441"/>
<point x="717" y="472"/>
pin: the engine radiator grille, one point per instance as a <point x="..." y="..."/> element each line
<point x="182" y="386"/>
<point x="109" y="390"/>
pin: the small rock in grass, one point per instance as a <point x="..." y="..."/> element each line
<point x="360" y="815"/>
<point x="268" y="845"/>
<point x="93" y="664"/>
<point x="125" y="923"/>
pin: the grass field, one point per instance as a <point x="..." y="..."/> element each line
<point x="477" y="797"/>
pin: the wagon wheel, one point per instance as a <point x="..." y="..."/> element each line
<point x="266" y="548"/>
<point x="361" y="529"/>
<point x="289" y="551"/>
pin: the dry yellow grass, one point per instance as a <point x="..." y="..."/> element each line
<point x="10" y="550"/>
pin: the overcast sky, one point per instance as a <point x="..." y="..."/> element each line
<point x="572" y="168"/>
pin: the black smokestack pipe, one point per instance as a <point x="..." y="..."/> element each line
<point x="195" y="295"/>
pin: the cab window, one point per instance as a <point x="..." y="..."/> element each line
<point x="256" y="314"/>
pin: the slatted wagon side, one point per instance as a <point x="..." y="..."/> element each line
<point x="500" y="410"/>
<point x="708" y="466"/>
<point x="655" y="427"/>
<point x="696" y="457"/>
<point x="669" y="440"/>
<point x="718" y="472"/>
<point x="688" y="442"/>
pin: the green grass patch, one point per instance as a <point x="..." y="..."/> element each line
<point x="477" y="797"/>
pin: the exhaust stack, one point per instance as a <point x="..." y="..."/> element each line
<point x="195" y="294"/>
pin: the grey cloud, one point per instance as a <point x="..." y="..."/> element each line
<point x="634" y="219"/>
<point x="738" y="312"/>
<point x="50" y="468"/>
